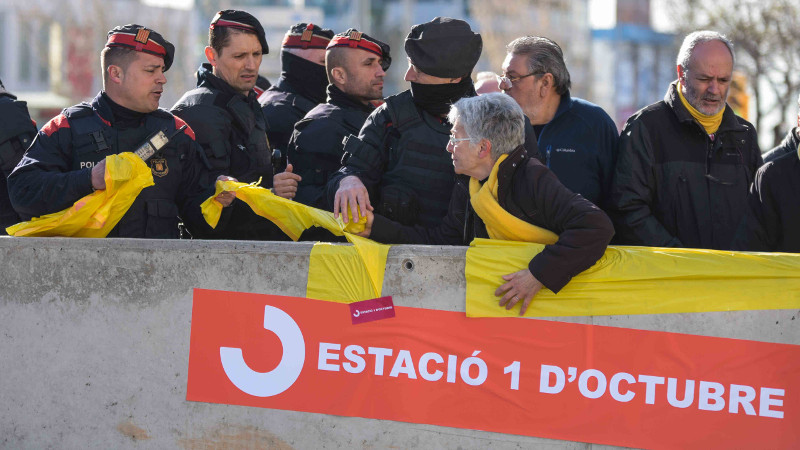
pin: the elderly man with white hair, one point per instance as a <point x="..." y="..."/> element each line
<point x="502" y="193"/>
<point x="685" y="163"/>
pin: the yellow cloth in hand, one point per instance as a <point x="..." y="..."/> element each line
<point x="336" y="272"/>
<point x="710" y="123"/>
<point x="639" y="280"/>
<point x="96" y="214"/>
<point x="500" y="224"/>
<point x="291" y="217"/>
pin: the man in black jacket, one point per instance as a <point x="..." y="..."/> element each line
<point x="17" y="131"/>
<point x="502" y="193"/>
<point x="773" y="215"/>
<point x="685" y="163"/>
<point x="67" y="159"/>
<point x="228" y="121"/>
<point x="772" y="220"/>
<point x="356" y="65"/>
<point x="302" y="84"/>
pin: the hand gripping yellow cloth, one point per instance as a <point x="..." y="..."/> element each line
<point x="500" y="224"/>
<point x="639" y="280"/>
<point x="336" y="272"/>
<point x="97" y="213"/>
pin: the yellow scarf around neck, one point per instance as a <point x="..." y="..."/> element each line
<point x="500" y="224"/>
<point x="710" y="123"/>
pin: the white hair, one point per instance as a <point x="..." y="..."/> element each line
<point x="495" y="117"/>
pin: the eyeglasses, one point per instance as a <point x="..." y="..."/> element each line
<point x="453" y="140"/>
<point x="505" y="83"/>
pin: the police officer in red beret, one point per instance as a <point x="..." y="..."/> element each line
<point x="228" y="121"/>
<point x="356" y="65"/>
<point x="67" y="159"/>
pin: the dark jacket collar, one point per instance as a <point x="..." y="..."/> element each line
<point x="729" y="120"/>
<point x="505" y="173"/>
<point x="563" y="105"/>
<point x="206" y="78"/>
<point x="5" y="93"/>
<point x="338" y="98"/>
<point x="103" y="109"/>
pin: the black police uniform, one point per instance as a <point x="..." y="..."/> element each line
<point x="400" y="156"/>
<point x="17" y="131"/>
<point x="315" y="150"/>
<point x="283" y="106"/>
<point x="300" y="87"/>
<point x="229" y="126"/>
<point x="56" y="170"/>
<point x="231" y="130"/>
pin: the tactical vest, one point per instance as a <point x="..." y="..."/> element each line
<point x="282" y="110"/>
<point x="419" y="174"/>
<point x="250" y="153"/>
<point x="16" y="133"/>
<point x="327" y="156"/>
<point x="154" y="213"/>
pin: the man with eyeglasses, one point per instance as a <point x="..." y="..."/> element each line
<point x="577" y="139"/>
<point x="686" y="163"/>
<point x="503" y="193"/>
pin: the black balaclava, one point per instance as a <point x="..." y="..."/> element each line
<point x="436" y="99"/>
<point x="308" y="78"/>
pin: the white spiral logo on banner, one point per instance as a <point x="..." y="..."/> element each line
<point x="281" y="378"/>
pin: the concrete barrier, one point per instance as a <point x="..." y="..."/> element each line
<point x="95" y="344"/>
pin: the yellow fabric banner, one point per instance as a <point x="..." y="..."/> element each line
<point x="639" y="280"/>
<point x="336" y="272"/>
<point x="99" y="212"/>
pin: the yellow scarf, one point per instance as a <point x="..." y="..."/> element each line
<point x="499" y="223"/>
<point x="710" y="123"/>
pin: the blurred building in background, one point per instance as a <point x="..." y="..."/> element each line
<point x="632" y="64"/>
<point x="50" y="55"/>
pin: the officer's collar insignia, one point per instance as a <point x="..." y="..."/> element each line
<point x="142" y="35"/>
<point x="159" y="167"/>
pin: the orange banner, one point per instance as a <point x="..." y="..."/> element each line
<point x="557" y="380"/>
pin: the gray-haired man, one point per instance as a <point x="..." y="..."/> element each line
<point x="501" y="193"/>
<point x="686" y="162"/>
<point x="577" y="139"/>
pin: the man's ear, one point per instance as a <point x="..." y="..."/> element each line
<point x="115" y="74"/>
<point x="211" y="55"/>
<point x="681" y="73"/>
<point x="339" y="75"/>
<point x="548" y="81"/>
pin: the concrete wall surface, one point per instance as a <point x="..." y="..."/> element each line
<point x="94" y="344"/>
